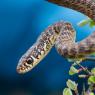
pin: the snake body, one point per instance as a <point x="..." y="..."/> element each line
<point x="86" y="7"/>
<point x="86" y="46"/>
<point x="62" y="35"/>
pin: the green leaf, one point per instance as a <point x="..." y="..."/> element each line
<point x="84" y="22"/>
<point x="92" y="23"/>
<point x="67" y="91"/>
<point x="93" y="71"/>
<point x="91" y="80"/>
<point x="70" y="60"/>
<point x="72" y="85"/>
<point x="91" y="93"/>
<point x="87" y="21"/>
<point x="74" y="64"/>
<point x="73" y="70"/>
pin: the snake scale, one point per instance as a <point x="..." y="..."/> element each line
<point x="62" y="35"/>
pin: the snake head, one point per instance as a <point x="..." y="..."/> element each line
<point x="25" y="64"/>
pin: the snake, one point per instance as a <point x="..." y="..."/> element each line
<point x="62" y="35"/>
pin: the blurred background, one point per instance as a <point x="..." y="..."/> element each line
<point x="21" y="22"/>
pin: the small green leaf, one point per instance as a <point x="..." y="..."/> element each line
<point x="91" y="93"/>
<point x="73" y="70"/>
<point x="67" y="91"/>
<point x="72" y="85"/>
<point x="74" y="64"/>
<point x="84" y="22"/>
<point x="91" y="80"/>
<point x="92" y="23"/>
<point x="93" y="71"/>
<point x="70" y="60"/>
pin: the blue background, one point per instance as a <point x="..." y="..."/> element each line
<point x="21" y="22"/>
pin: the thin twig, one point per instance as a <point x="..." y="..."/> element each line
<point x="76" y="92"/>
<point x="85" y="69"/>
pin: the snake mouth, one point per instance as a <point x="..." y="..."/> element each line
<point x="20" y="71"/>
<point x="23" y="69"/>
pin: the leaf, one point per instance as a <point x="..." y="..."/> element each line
<point x="67" y="91"/>
<point x="84" y="22"/>
<point x="92" y="23"/>
<point x="91" y="80"/>
<point x="91" y="93"/>
<point x="70" y="60"/>
<point x="87" y="21"/>
<point x="93" y="71"/>
<point x="73" y="70"/>
<point x="72" y="85"/>
<point x="74" y="64"/>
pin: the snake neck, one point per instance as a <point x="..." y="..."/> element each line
<point x="66" y="39"/>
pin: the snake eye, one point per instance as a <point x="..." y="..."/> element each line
<point x="30" y="60"/>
